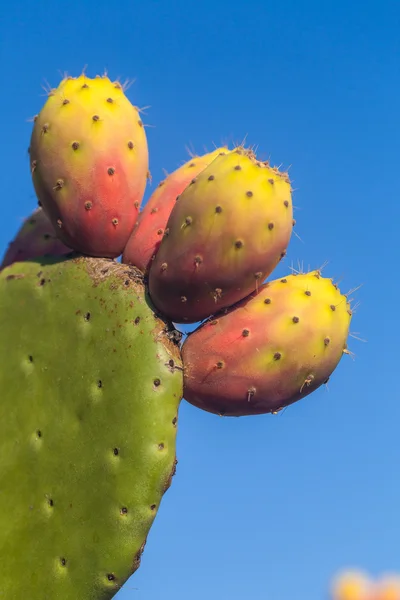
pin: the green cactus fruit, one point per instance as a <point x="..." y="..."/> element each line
<point x="149" y="229"/>
<point x="273" y="348"/>
<point x="90" y="387"/>
<point x="227" y="232"/>
<point x="36" y="237"/>
<point x="89" y="164"/>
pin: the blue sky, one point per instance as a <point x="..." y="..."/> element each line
<point x="261" y="507"/>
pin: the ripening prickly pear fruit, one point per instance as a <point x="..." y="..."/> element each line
<point x="149" y="229"/>
<point x="226" y="233"/>
<point x="36" y="237"/>
<point x="270" y="350"/>
<point x="387" y="588"/>
<point x="90" y="387"/>
<point x="352" y="585"/>
<point x="89" y="164"/>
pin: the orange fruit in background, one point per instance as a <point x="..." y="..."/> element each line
<point x="388" y="588"/>
<point x="352" y="585"/>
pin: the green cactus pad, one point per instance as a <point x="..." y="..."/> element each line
<point x="90" y="386"/>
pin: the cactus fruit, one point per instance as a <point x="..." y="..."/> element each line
<point x="90" y="387"/>
<point x="352" y="585"/>
<point x="227" y="232"/>
<point x="270" y="350"/>
<point x="150" y="226"/>
<point x="388" y="588"/>
<point x="36" y="237"/>
<point x="89" y="164"/>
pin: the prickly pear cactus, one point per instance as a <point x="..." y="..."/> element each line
<point x="36" y="237"/>
<point x="89" y="164"/>
<point x="90" y="387"/>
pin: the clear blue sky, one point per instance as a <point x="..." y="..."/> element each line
<point x="261" y="507"/>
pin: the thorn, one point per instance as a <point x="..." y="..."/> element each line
<point x="349" y="353"/>
<point x="141" y="110"/>
<point x="307" y="382"/>
<point x="242" y="144"/>
<point x="299" y="270"/>
<point x="353" y="290"/>
<point x="63" y="74"/>
<point x="298" y="237"/>
<point x="322" y="267"/>
<point x="355" y="336"/>
<point x="46" y="87"/>
<point x="127" y="84"/>
<point x="339" y="281"/>
<point x="192" y="153"/>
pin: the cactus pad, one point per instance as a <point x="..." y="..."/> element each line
<point x="90" y="387"/>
